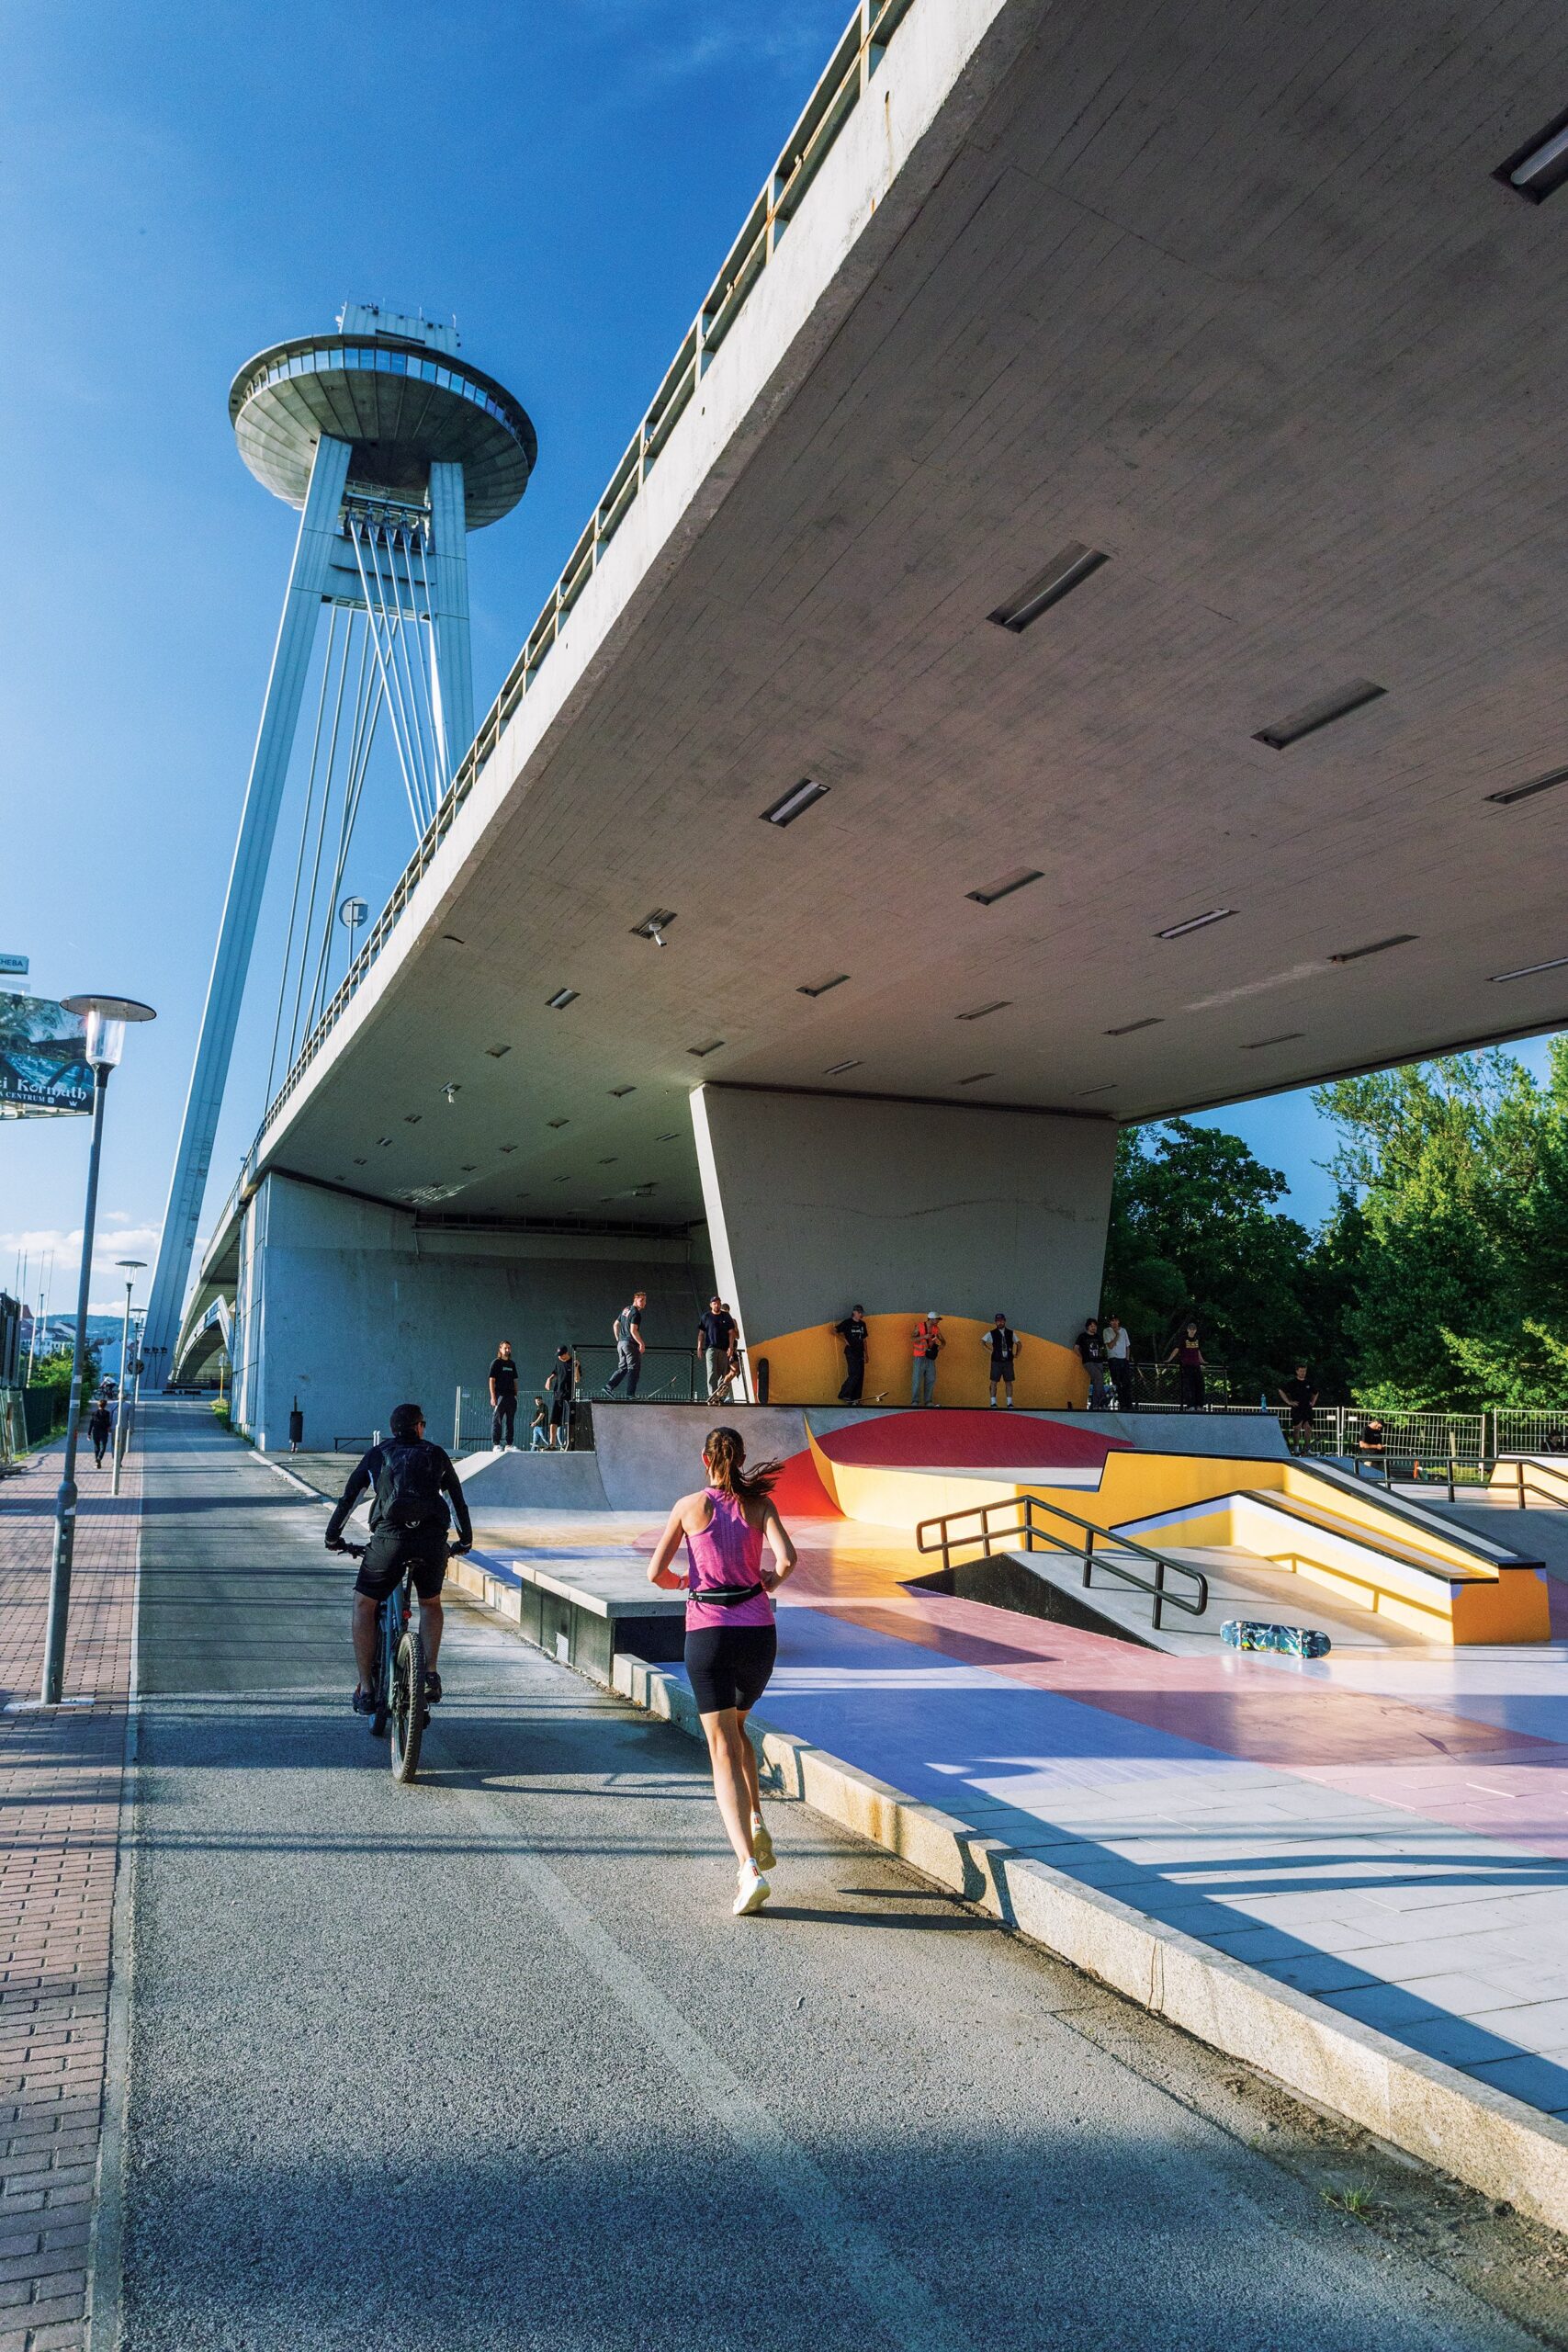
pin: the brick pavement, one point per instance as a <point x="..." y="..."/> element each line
<point x="61" y="1782"/>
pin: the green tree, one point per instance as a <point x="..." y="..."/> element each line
<point x="53" y="1372"/>
<point x="1195" y="1229"/>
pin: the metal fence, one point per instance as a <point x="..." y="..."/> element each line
<point x="13" y="1429"/>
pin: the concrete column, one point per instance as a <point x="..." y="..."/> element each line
<point x="454" y="660"/>
<point x="818" y="1203"/>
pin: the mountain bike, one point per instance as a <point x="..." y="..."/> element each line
<point x="398" y="1690"/>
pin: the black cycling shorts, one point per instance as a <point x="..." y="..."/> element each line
<point x="729" y="1665"/>
<point x="388" y="1556"/>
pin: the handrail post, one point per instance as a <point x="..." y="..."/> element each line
<point x="1159" y="1590"/>
<point x="1451" y="1462"/>
<point x="1520" y="1481"/>
<point x="1087" y="1558"/>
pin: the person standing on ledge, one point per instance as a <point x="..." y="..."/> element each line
<point x="1003" y="1340"/>
<point x="1119" y="1360"/>
<point x="627" y="1332"/>
<point x="731" y="1642"/>
<point x="716" y="1330"/>
<point x="1186" y="1355"/>
<point x="855" y="1333"/>
<point x="502" y="1396"/>
<point x="561" y="1387"/>
<point x="1301" y="1397"/>
<point x="1091" y="1349"/>
<point x="929" y="1344"/>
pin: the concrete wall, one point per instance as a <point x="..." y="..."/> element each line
<point x="815" y="1201"/>
<point x="351" y="1307"/>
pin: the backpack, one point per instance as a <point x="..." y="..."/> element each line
<point x="408" y="1486"/>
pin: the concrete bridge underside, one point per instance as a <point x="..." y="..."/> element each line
<point x="1236" y="303"/>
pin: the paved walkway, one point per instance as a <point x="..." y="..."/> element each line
<point x="487" y="2063"/>
<point x="1387" y="1833"/>
<point x="60" y="1777"/>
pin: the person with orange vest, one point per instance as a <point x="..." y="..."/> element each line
<point x="928" y="1345"/>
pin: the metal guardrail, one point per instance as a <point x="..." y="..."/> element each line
<point x="855" y="59"/>
<point x="1529" y="1477"/>
<point x="1029" y="1510"/>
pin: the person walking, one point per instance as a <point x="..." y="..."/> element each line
<point x="1003" y="1340"/>
<point x="539" y="1427"/>
<point x="1301" y="1397"/>
<point x="561" y="1388"/>
<point x="1091" y="1346"/>
<point x="100" y="1429"/>
<point x="627" y="1332"/>
<point x="1186" y="1355"/>
<point x="1119" y="1360"/>
<point x="855" y="1333"/>
<point x="716" y="1330"/>
<point x="731" y="1640"/>
<point x="929" y="1344"/>
<point x="502" y="1396"/>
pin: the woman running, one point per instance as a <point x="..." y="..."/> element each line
<point x="730" y="1640"/>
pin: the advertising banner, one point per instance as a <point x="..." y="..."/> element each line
<point x="43" y="1064"/>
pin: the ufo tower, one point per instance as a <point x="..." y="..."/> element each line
<point x="394" y="447"/>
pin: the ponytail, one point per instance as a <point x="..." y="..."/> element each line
<point x="724" y="1450"/>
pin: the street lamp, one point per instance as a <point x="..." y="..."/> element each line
<point x="129" y="1268"/>
<point x="106" y="1017"/>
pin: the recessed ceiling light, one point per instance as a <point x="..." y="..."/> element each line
<point x="795" y="802"/>
<point x="1286" y="1037"/>
<point x="413" y="1118"/>
<point x="1196" y="923"/>
<point x="1524" y="972"/>
<point x="1353" y="695"/>
<point x="611" y="1162"/>
<point x="470" y="1167"/>
<point x="498" y="1053"/>
<point x="617" y="1092"/>
<point x="975" y="1078"/>
<point x="562" y="1180"/>
<point x="508" y="1146"/>
<point x="673" y="1137"/>
<point x="835" y="1069"/>
<point x="453" y="937"/>
<point x="1067" y="568"/>
<point x="711" y="1048"/>
<point x="557" y="1123"/>
<point x="1084" y="1093"/>
<point x="655" y="925"/>
<point x="820" y="988"/>
<point x="1006" y="886"/>
<point x="383" y="1141"/>
<point x="1150" y="1021"/>
<point x="1524" y="791"/>
<point x="1540" y="165"/>
<point x="1000" y="1005"/>
<point x="561" y="998"/>
<point x="1373" y="947"/>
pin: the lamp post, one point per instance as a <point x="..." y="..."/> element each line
<point x="129" y="1268"/>
<point x="106" y="1017"/>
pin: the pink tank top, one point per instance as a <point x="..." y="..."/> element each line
<point x="728" y="1552"/>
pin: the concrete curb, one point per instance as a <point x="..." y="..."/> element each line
<point x="1481" y="2136"/>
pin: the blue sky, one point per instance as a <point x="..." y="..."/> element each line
<point x="185" y="186"/>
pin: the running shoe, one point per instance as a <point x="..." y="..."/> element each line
<point x="751" y="1892"/>
<point x="761" y="1844"/>
<point x="431" y="1687"/>
<point x="364" y="1701"/>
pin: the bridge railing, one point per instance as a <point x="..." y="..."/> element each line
<point x="859" y="52"/>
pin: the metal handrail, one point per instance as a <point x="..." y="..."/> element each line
<point x="1520" y="1483"/>
<point x="1026" y="1506"/>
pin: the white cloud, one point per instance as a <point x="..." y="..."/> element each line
<point x="116" y="1237"/>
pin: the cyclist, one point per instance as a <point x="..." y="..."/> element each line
<point x="409" y="1480"/>
<point x="730" y="1640"/>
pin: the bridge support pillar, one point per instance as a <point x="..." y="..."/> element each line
<point x="819" y="1202"/>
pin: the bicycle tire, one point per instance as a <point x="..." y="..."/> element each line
<point x="407" y="1705"/>
<point x="383" y="1714"/>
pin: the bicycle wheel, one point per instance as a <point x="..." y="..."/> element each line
<point x="407" y="1704"/>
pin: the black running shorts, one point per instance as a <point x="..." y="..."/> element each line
<point x="729" y="1665"/>
<point x="387" y="1558"/>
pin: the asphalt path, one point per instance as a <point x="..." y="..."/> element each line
<point x="487" y="2061"/>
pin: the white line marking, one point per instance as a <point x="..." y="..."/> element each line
<point x="895" y="2300"/>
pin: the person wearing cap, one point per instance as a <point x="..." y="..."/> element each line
<point x="855" y="1333"/>
<point x="1003" y="1340"/>
<point x="928" y="1345"/>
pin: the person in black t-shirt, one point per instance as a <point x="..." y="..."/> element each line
<point x="503" y="1395"/>
<point x="855" y="1333"/>
<point x="627" y="1332"/>
<point x="715" y="1334"/>
<point x="1003" y="1342"/>
<point x="561" y="1387"/>
<point x="408" y="1467"/>
<point x="1301" y="1397"/>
